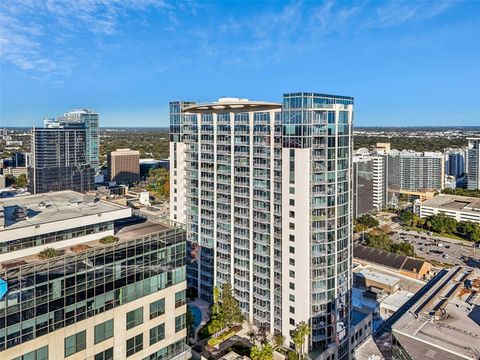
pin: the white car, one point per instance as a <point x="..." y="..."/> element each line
<point x="440" y="245"/>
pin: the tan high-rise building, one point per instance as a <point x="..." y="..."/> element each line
<point x="124" y="166"/>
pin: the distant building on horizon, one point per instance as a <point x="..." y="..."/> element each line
<point x="84" y="118"/>
<point x="123" y="166"/>
<point x="59" y="161"/>
<point x="416" y="171"/>
<point x="369" y="182"/>
<point x="454" y="162"/>
<point x="473" y="164"/>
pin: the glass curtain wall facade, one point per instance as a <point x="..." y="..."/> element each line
<point x="45" y="296"/>
<point x="318" y="128"/>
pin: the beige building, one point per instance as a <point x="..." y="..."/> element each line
<point x="461" y="208"/>
<point x="124" y="165"/>
<point x="91" y="298"/>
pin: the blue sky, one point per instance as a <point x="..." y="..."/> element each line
<point x="406" y="63"/>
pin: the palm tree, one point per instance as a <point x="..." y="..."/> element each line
<point x="255" y="353"/>
<point x="279" y="341"/>
<point x="298" y="336"/>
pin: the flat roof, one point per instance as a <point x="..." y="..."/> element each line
<point x="358" y="316"/>
<point x="232" y="104"/>
<point x="454" y="202"/>
<point x="378" y="277"/>
<point x="445" y="322"/>
<point x="52" y="207"/>
<point x="125" y="230"/>
<point x="397" y="299"/>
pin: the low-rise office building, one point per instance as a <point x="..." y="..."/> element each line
<point x="93" y="296"/>
<point x="461" y="208"/>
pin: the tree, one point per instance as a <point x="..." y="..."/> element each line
<point x="109" y="239"/>
<point x="48" y="253"/>
<point x="279" y="341"/>
<point x="217" y="321"/>
<point x="21" y="181"/>
<point x="255" y="352"/>
<point x="367" y="220"/>
<point x="190" y="320"/>
<point x="262" y="352"/>
<point x="231" y="312"/>
<point x="158" y="181"/>
<point x="406" y="217"/>
<point x="298" y="337"/>
<point x="404" y="248"/>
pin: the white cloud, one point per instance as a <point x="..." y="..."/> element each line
<point x="27" y="26"/>
<point x="397" y="12"/>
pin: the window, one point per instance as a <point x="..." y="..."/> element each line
<point x="157" y="308"/>
<point x="292" y="322"/>
<point x="292" y="214"/>
<point x="292" y="202"/>
<point x="179" y="299"/>
<point x="134" y="345"/>
<point x="39" y="354"/>
<point x="134" y="318"/>
<point x="291" y="261"/>
<point x="292" y="250"/>
<point x="103" y="331"/>
<point x="180" y="323"/>
<point x="292" y="226"/>
<point x="292" y="190"/>
<point x="105" y="355"/>
<point x="292" y="310"/>
<point x="292" y="286"/>
<point x="292" y="237"/>
<point x="157" y="334"/>
<point x="292" y="297"/>
<point x="75" y="343"/>
<point x="292" y="273"/>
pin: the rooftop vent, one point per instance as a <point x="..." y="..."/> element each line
<point x="42" y="205"/>
<point x="20" y="213"/>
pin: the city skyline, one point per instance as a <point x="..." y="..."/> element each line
<point x="402" y="61"/>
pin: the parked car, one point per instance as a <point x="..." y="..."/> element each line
<point x="445" y="256"/>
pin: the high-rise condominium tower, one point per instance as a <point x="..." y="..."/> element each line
<point x="409" y="170"/>
<point x="58" y="161"/>
<point x="88" y="119"/>
<point x="473" y="164"/>
<point x="265" y="192"/>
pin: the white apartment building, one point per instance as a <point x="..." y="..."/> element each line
<point x="265" y="192"/>
<point x="370" y="182"/>
<point x="414" y="171"/>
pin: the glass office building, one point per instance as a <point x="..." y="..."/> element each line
<point x="262" y="187"/>
<point x="93" y="300"/>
